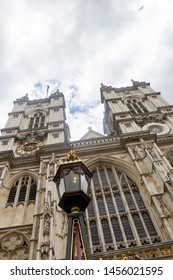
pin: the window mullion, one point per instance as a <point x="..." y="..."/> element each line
<point x="118" y="214"/>
<point x="28" y="187"/>
<point x="97" y="215"/>
<point x="100" y="230"/>
<point x="107" y="210"/>
<point x="12" y="217"/>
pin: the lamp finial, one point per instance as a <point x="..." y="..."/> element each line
<point x="72" y="157"/>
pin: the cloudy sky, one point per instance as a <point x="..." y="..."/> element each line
<point x="75" y="45"/>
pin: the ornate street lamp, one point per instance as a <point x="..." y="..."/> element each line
<point x="73" y="182"/>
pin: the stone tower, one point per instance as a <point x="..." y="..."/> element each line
<point x="27" y="165"/>
<point x="130" y="215"/>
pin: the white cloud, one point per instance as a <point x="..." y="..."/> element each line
<point x="84" y="43"/>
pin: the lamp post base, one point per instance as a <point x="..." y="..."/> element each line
<point x="77" y="243"/>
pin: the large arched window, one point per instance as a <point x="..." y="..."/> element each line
<point x="118" y="216"/>
<point x="19" y="208"/>
<point x="23" y="189"/>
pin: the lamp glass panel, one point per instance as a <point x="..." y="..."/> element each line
<point x="84" y="183"/>
<point x="72" y="181"/>
<point x="61" y="187"/>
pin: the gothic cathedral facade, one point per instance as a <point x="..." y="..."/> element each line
<point x="130" y="215"/>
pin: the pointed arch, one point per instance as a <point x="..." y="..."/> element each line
<point x="24" y="172"/>
<point x="120" y="164"/>
<point x="23" y="185"/>
<point x="20" y="201"/>
<point x="122" y="214"/>
<point x="33" y="111"/>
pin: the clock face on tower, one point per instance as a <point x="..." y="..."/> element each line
<point x="28" y="148"/>
<point x="155" y="129"/>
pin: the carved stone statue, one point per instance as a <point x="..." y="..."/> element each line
<point x="139" y="152"/>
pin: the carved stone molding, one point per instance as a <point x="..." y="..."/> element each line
<point x="48" y="213"/>
<point x="44" y="250"/>
<point x="14" y="246"/>
<point x="25" y="137"/>
<point x="12" y="241"/>
<point x="21" y="253"/>
<point x="145" y="119"/>
<point x="139" y="152"/>
<point x="4" y="255"/>
<point x="147" y="253"/>
<point x="169" y="156"/>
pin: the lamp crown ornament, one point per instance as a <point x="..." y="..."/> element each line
<point x="71" y="157"/>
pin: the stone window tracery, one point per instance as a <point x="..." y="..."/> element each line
<point x="37" y="120"/>
<point x="136" y="106"/>
<point x="120" y="218"/>
<point x="22" y="188"/>
<point x="14" y="246"/>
